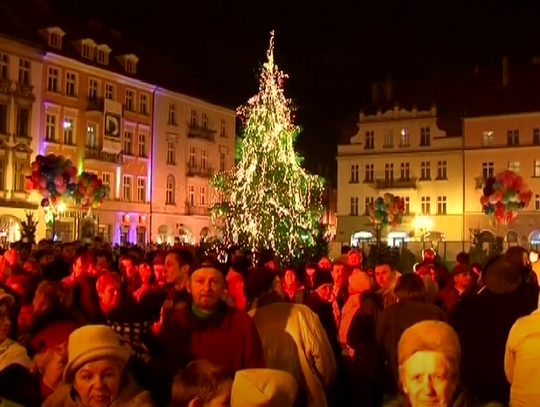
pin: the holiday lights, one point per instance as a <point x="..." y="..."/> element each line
<point x="268" y="201"/>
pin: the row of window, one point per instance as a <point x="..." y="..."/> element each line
<point x="20" y="171"/>
<point x="170" y="194"/>
<point x="512" y="137"/>
<point x="425" y="205"/>
<point x="23" y="120"/>
<point x="71" y="88"/>
<point x="404" y="138"/>
<point x="194" y="119"/>
<point x="192" y="159"/>
<point x="24" y="69"/>
<point x="404" y="172"/>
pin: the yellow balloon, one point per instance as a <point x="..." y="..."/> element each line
<point x="388" y="198"/>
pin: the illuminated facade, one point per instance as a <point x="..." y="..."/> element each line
<point x="194" y="140"/>
<point x="20" y="112"/>
<point x="404" y="153"/>
<point x="98" y="114"/>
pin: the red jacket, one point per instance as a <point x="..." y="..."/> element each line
<point x="228" y="338"/>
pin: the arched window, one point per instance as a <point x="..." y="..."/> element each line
<point x="169" y="197"/>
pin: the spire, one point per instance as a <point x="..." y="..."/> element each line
<point x="270" y="53"/>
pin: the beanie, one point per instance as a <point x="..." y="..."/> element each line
<point x="258" y="281"/>
<point x="321" y="278"/>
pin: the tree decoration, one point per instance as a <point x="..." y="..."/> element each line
<point x="267" y="201"/>
<point x="28" y="230"/>
<point x="504" y="195"/>
<point x="90" y="191"/>
<point x="387" y="210"/>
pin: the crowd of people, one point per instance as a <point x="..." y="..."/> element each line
<point x="86" y="325"/>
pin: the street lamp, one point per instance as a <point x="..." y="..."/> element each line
<point x="423" y="224"/>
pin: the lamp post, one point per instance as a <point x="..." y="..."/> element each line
<point x="422" y="224"/>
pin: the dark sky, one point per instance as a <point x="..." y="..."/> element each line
<point x="332" y="51"/>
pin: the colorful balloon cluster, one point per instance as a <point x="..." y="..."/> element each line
<point x="90" y="190"/>
<point x="387" y="210"/>
<point x="504" y="195"/>
<point x="53" y="177"/>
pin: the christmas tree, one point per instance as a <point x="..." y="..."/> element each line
<point x="267" y="201"/>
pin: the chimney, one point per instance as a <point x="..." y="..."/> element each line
<point x="505" y="72"/>
<point x="374" y="93"/>
<point x="388" y="88"/>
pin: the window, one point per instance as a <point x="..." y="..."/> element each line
<point x="425" y="171"/>
<point x="426" y="205"/>
<point x="405" y="172"/>
<point x="110" y="91"/>
<point x="388" y="139"/>
<point x="223" y="131"/>
<point x="55" y="40"/>
<point x="202" y="196"/>
<point x="93" y="88"/>
<point x="354" y="173"/>
<point x="23" y="120"/>
<point x="370" y="140"/>
<point x="130" y="100"/>
<point x="71" y="84"/>
<point x="143" y="104"/>
<point x="441" y="170"/>
<point x="106" y="177"/>
<point x="537" y="202"/>
<point x="536" y="172"/>
<point x="191" y="195"/>
<point x="203" y="159"/>
<point x="69" y="125"/>
<point x="172" y="114"/>
<point x="514" y="166"/>
<point x="169" y="192"/>
<point x="50" y="127"/>
<point x="192" y="156"/>
<point x="128" y="142"/>
<point x="102" y="57"/>
<point x="53" y="78"/>
<point x="204" y="120"/>
<point x="536" y="137"/>
<point x="3" y="118"/>
<point x="369" y="173"/>
<point x="407" y="205"/>
<point x="141" y="189"/>
<point x="87" y="52"/>
<point x="130" y="66"/>
<point x="488" y="138"/>
<point x="367" y="203"/>
<point x="389" y="172"/>
<point x="425" y="136"/>
<point x="142" y="145"/>
<point x="441" y="205"/>
<point x="24" y="72"/>
<point x="221" y="162"/>
<point x="91" y="135"/>
<point x="488" y="170"/>
<point x="171" y="159"/>
<point x="513" y="138"/>
<point x="128" y="195"/>
<point x="4" y="66"/>
<point x="354" y="206"/>
<point x="19" y="176"/>
<point x="405" y="140"/>
<point x="193" y="117"/>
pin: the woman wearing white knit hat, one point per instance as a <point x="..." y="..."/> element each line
<point x="96" y="375"/>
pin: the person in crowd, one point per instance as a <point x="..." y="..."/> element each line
<point x="148" y="280"/>
<point x="201" y="384"/>
<point x="354" y="258"/>
<point x="21" y="287"/>
<point x="463" y="259"/>
<point x="386" y="277"/>
<point x="263" y="388"/>
<point x="177" y="267"/>
<point x="340" y="276"/>
<point x="96" y="375"/>
<point x="293" y="289"/>
<point x="411" y="307"/>
<point x="10" y="351"/>
<point x="324" y="263"/>
<point x="150" y="294"/>
<point x="238" y="270"/>
<point x="293" y="338"/>
<point x="158" y="264"/>
<point x="130" y="273"/>
<point x="464" y="284"/>
<point x="483" y="322"/>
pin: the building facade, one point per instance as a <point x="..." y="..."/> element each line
<point x="405" y="153"/>
<point x="20" y="112"/>
<point x="98" y="114"/>
<point x="193" y="141"/>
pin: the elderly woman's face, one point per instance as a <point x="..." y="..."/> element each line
<point x="98" y="383"/>
<point x="427" y="380"/>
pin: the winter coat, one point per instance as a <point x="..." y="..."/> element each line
<point x="295" y="341"/>
<point x="347" y="313"/>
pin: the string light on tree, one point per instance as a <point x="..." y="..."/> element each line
<point x="268" y="201"/>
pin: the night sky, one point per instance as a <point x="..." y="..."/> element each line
<point x="331" y="53"/>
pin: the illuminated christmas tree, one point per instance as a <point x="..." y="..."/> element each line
<point x="267" y="201"/>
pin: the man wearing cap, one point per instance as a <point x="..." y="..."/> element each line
<point x="464" y="284"/>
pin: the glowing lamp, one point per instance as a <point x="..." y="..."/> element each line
<point x="142" y="219"/>
<point x="61" y="207"/>
<point x="125" y="218"/>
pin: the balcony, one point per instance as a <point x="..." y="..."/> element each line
<point x="196" y="131"/>
<point x="25" y="90"/>
<point x="95" y="104"/>
<point x="390" y="183"/>
<point x="95" y="153"/>
<point x="198" y="171"/>
<point x="5" y="86"/>
<point x="196" y="210"/>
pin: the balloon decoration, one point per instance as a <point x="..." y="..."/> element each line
<point x="387" y="210"/>
<point x="504" y="195"/>
<point x="53" y="177"/>
<point x="90" y="190"/>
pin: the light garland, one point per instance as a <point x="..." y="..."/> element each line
<point x="268" y="201"/>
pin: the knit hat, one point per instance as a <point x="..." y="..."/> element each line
<point x="91" y="343"/>
<point x="263" y="388"/>
<point x="359" y="282"/>
<point x="501" y="276"/>
<point x="321" y="278"/>
<point x="51" y="336"/>
<point x="434" y="336"/>
<point x="258" y="281"/>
